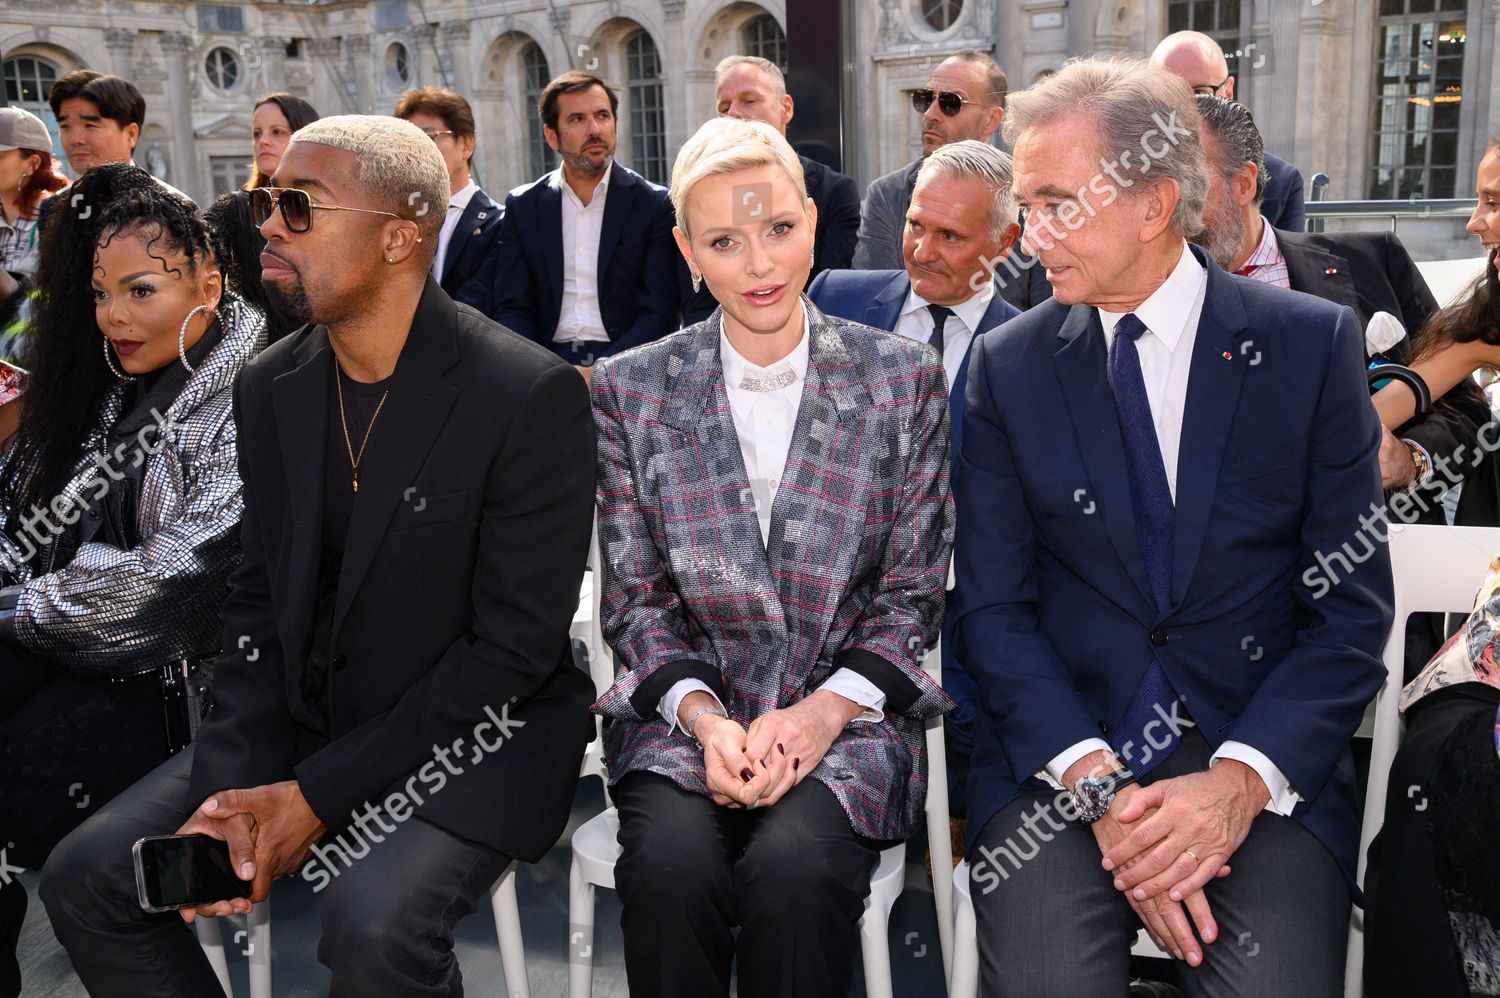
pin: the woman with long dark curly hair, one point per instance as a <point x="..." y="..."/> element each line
<point x="120" y="503"/>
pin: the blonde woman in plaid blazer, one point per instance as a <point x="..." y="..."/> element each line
<point x="776" y="526"/>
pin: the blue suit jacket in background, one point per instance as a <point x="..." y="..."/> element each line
<point x="1282" y="202"/>
<point x="472" y="243"/>
<point x="875" y="297"/>
<point x="520" y="286"/>
<point x="1279" y="601"/>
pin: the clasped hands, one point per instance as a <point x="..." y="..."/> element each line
<point x="756" y="766"/>
<point x="1165" y="842"/>
<point x="269" y="831"/>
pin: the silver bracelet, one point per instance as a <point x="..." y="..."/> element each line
<point x="692" y="721"/>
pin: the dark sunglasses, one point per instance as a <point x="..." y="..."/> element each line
<point x="948" y="102"/>
<point x="296" y="207"/>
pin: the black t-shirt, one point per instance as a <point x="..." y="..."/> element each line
<point x="360" y="402"/>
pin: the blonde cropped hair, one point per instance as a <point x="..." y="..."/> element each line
<point x="728" y="145"/>
<point x="398" y="166"/>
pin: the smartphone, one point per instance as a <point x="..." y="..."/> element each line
<point x="13" y="381"/>
<point x="184" y="871"/>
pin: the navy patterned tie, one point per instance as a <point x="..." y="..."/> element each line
<point x="1151" y="502"/>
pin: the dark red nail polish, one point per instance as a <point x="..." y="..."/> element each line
<point x="780" y="748"/>
<point x="746" y="775"/>
<point x="794" y="764"/>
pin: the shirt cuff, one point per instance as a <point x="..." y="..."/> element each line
<point x="856" y="688"/>
<point x="1054" y="770"/>
<point x="1283" y="797"/>
<point x="673" y="699"/>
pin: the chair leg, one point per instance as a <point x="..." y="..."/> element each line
<point x="259" y="953"/>
<point x="964" y="980"/>
<point x="212" y="941"/>
<point x="875" y="947"/>
<point x="508" y="929"/>
<point x="580" y="934"/>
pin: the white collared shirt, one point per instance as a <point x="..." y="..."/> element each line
<point x="915" y="323"/>
<point x="458" y="202"/>
<point x="764" y="422"/>
<point x="1171" y="315"/>
<point x="579" y="318"/>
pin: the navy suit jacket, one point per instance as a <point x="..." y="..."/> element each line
<point x="875" y="297"/>
<point x="1279" y="601"/>
<point x="520" y="286"/>
<point x="1282" y="203"/>
<point x="474" y="238"/>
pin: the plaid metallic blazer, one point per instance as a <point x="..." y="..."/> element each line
<point x="860" y="536"/>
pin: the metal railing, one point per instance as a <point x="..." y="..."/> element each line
<point x="1412" y="208"/>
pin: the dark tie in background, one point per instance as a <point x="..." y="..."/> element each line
<point x="940" y="315"/>
<point x="1151" y="502"/>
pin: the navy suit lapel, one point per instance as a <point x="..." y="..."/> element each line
<point x="1081" y="367"/>
<point x="1225" y="349"/>
<point x="470" y="222"/>
<point x="549" y="223"/>
<point x="885" y="307"/>
<point x="617" y="205"/>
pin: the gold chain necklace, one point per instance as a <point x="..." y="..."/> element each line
<point x="354" y="459"/>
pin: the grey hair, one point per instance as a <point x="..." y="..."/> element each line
<point x="398" y="166"/>
<point x="1128" y="102"/>
<point x="971" y="159"/>
<point x="778" y="81"/>
<point x="1232" y="124"/>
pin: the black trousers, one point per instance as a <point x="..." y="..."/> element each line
<point x="1051" y="924"/>
<point x="68" y="744"/>
<point x="387" y="916"/>
<point x="1435" y="848"/>
<point x="793" y="877"/>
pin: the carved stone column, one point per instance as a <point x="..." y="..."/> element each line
<point x="121" y="45"/>
<point x="176" y="47"/>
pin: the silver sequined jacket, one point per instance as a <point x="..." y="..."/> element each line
<point x="111" y="612"/>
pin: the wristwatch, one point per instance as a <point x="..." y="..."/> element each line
<point x="1092" y="796"/>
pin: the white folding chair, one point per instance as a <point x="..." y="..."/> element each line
<point x="1436" y="570"/>
<point x="588" y="625"/>
<point x="258" y="940"/>
<point x="596" y="849"/>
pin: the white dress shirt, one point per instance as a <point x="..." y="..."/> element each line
<point x="579" y="318"/>
<point x="457" y="203"/>
<point x="1171" y="317"/>
<point x="763" y="422"/>
<point x="915" y="323"/>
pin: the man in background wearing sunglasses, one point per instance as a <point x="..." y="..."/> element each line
<point x="1198" y="59"/>
<point x="395" y="693"/>
<point x="964" y="99"/>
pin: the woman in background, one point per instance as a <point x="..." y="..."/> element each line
<point x="275" y="118"/>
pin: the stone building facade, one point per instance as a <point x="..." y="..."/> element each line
<point x="1390" y="98"/>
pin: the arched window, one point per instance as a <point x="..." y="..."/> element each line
<point x="648" y="130"/>
<point x="28" y="81"/>
<point x="397" y="66"/>
<point x="536" y="74"/>
<point x="762" y="36"/>
<point x="941" y="15"/>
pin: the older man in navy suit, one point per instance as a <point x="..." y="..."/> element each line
<point x="586" y="264"/>
<point x="1172" y="581"/>
<point x="958" y="228"/>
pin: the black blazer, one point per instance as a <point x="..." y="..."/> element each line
<point x="459" y="581"/>
<point x="837" y="200"/>
<point x="474" y="238"/>
<point x="520" y="286"/>
<point x="1372" y="272"/>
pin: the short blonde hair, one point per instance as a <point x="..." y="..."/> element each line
<point x="729" y="145"/>
<point x="397" y="165"/>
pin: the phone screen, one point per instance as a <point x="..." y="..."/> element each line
<point x="175" y="871"/>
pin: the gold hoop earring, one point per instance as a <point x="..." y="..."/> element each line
<point x="109" y="361"/>
<point x="182" y="337"/>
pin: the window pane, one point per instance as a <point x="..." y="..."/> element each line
<point x="647" y="121"/>
<point x="536" y="74"/>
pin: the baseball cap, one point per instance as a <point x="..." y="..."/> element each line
<point x="21" y="129"/>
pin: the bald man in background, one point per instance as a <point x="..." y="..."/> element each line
<point x="1198" y="59"/>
